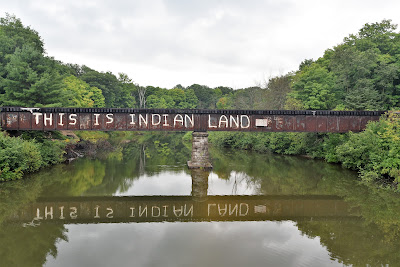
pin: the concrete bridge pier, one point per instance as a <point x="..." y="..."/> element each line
<point x="200" y="155"/>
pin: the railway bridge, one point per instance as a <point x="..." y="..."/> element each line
<point x="199" y="121"/>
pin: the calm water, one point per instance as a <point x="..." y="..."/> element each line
<point x="141" y="206"/>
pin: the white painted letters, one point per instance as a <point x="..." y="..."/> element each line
<point x="155" y="211"/>
<point x="244" y="121"/>
<point x="72" y="118"/>
<point x="142" y="211"/>
<point x="190" y="119"/>
<point x="153" y="119"/>
<point x="241" y="209"/>
<point x="110" y="213"/>
<point x="223" y="120"/>
<point x="132" y="122"/>
<point x="143" y="120"/>
<point x="48" y="212"/>
<point x="37" y="115"/>
<point x="97" y="212"/>
<point x="222" y="211"/>
<point x="232" y="121"/>
<point x="178" y="118"/>
<point x="110" y="118"/>
<point x="48" y="118"/>
<point x="209" y="123"/>
<point x="96" y="119"/>
<point x="165" y="120"/>
<point x="62" y="213"/>
<point x="61" y="116"/>
<point x="74" y="213"/>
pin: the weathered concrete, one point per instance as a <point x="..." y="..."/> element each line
<point x="200" y="155"/>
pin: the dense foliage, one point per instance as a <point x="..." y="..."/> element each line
<point x="19" y="156"/>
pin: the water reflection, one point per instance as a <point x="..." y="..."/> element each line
<point x="197" y="207"/>
<point x="263" y="209"/>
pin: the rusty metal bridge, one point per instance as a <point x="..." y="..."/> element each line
<point x="198" y="120"/>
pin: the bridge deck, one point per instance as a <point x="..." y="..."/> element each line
<point x="111" y="119"/>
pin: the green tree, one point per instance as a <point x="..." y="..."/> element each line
<point x="116" y="93"/>
<point x="379" y="35"/>
<point x="191" y="100"/>
<point x="20" y="35"/>
<point x="314" y="87"/>
<point x="29" y="81"/>
<point x="204" y="95"/>
<point x="81" y="94"/>
<point x="28" y="78"/>
<point x="154" y="101"/>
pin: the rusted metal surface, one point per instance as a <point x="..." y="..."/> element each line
<point x="106" y="119"/>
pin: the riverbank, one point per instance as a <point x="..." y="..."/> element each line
<point x="374" y="153"/>
<point x="29" y="152"/>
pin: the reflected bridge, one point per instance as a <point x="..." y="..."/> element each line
<point x="137" y="209"/>
<point x="199" y="206"/>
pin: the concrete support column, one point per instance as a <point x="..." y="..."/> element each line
<point x="200" y="156"/>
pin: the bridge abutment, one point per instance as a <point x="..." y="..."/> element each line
<point x="200" y="155"/>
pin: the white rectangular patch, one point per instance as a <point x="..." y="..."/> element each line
<point x="262" y="122"/>
<point x="260" y="209"/>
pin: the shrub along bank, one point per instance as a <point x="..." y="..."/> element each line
<point x="374" y="153"/>
<point x="33" y="150"/>
<point x="19" y="156"/>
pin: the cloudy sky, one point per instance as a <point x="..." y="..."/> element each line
<point x="236" y="43"/>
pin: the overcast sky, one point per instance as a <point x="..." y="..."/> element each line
<point x="211" y="42"/>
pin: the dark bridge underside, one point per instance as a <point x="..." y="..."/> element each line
<point x="111" y="119"/>
<point x="184" y="208"/>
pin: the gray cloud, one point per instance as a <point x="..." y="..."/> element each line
<point x="165" y="42"/>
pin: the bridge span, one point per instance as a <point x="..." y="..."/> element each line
<point x="113" y="119"/>
<point x="197" y="120"/>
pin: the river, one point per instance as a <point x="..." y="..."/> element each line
<point x="141" y="206"/>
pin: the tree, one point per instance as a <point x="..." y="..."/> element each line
<point x="81" y="94"/>
<point x="379" y="35"/>
<point x="204" y="94"/>
<point x="191" y="100"/>
<point x="275" y="94"/>
<point x="154" y="101"/>
<point x="314" y="87"/>
<point x="117" y="94"/>
<point x="364" y="97"/>
<point x="13" y="29"/>
<point x="29" y="81"/>
<point x="142" y="96"/>
<point x="128" y="90"/>
<point x="224" y="103"/>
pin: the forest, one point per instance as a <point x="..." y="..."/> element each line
<point x="360" y="73"/>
